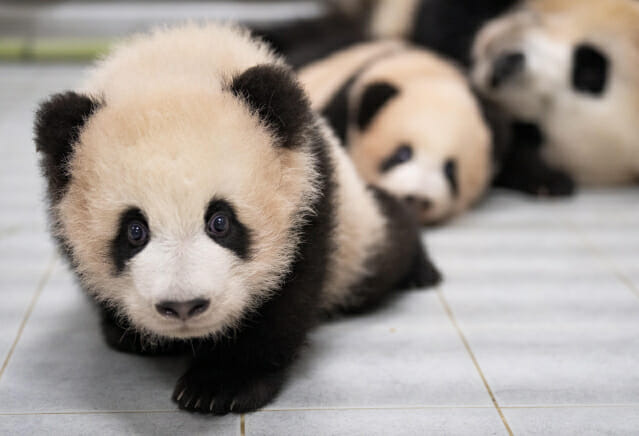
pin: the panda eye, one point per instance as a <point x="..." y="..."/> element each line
<point x="219" y="225"/>
<point x="402" y="154"/>
<point x="137" y="233"/>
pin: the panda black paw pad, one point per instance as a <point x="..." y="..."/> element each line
<point x="219" y="393"/>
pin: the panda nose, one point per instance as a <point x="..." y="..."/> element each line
<point x="182" y="309"/>
<point x="506" y="66"/>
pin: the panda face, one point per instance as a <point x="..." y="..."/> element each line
<point x="530" y="59"/>
<point x="184" y="217"/>
<point x="427" y="145"/>
<point x="512" y="64"/>
<point x="569" y="66"/>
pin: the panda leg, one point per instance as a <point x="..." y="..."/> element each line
<point x="123" y="338"/>
<point x="423" y="273"/>
<point x="210" y="390"/>
<point x="523" y="168"/>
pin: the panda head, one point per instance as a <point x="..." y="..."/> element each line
<point x="421" y="137"/>
<point x="180" y="207"/>
<point x="548" y="56"/>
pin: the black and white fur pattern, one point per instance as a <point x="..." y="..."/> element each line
<point x="570" y="68"/>
<point x="561" y="73"/>
<point x="409" y="122"/>
<point x="557" y="79"/>
<point x="207" y="209"/>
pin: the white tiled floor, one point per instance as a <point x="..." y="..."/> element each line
<point x="535" y="331"/>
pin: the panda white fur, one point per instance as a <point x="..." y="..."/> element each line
<point x="571" y="67"/>
<point x="409" y="122"/>
<point x="207" y="209"/>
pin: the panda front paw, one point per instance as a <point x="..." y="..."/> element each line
<point x="209" y="391"/>
<point x="128" y="340"/>
<point x="554" y="184"/>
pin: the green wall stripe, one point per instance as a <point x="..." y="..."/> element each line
<point x="44" y="49"/>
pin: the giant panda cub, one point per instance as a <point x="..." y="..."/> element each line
<point x="569" y="68"/>
<point x="207" y="209"/>
<point x="409" y="122"/>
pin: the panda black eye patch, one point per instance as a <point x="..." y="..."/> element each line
<point x="590" y="70"/>
<point x="402" y="154"/>
<point x="222" y="225"/>
<point x="133" y="235"/>
<point x="450" y="172"/>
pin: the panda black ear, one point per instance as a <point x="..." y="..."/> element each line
<point x="374" y="98"/>
<point x="57" y="126"/>
<point x="275" y="95"/>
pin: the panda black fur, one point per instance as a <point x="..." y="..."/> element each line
<point x="409" y="122"/>
<point x="208" y="210"/>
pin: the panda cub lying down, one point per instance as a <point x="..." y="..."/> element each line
<point x="206" y="208"/>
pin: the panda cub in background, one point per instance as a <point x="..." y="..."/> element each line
<point x="409" y="122"/>
<point x="563" y="73"/>
<point x="206" y="209"/>
<point x="571" y="68"/>
<point x="557" y="79"/>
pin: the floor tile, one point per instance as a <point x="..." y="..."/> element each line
<point x="582" y="421"/>
<point x="62" y="363"/>
<point x="562" y="365"/>
<point x="24" y="259"/>
<point x="407" y="354"/>
<point x="436" y="421"/>
<point x="116" y="424"/>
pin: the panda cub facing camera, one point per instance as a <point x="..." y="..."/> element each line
<point x="208" y="210"/>
<point x="410" y="123"/>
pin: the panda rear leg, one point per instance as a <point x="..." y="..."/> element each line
<point x="423" y="273"/>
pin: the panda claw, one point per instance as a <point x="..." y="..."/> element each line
<point x="221" y="393"/>
<point x="180" y="395"/>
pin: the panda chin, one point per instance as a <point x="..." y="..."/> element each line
<point x="180" y="330"/>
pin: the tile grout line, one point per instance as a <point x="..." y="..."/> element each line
<point x="336" y="409"/>
<point x="41" y="284"/>
<point x="449" y="312"/>
<point x="603" y="257"/>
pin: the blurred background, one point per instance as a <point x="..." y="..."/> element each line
<point x="80" y="30"/>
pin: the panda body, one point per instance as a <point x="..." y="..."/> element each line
<point x="205" y="207"/>
<point x="387" y="98"/>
